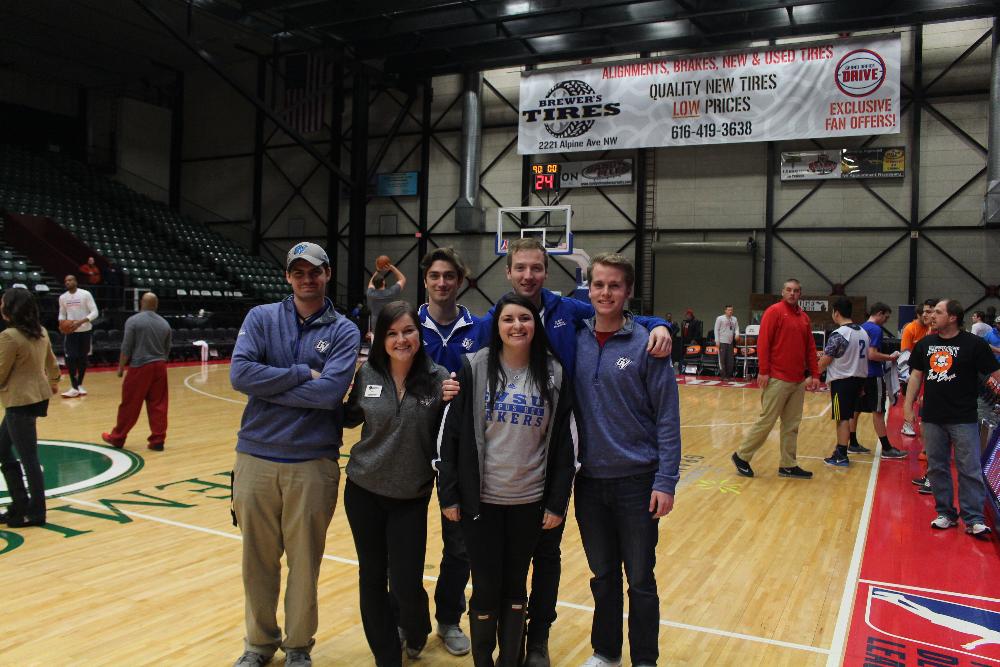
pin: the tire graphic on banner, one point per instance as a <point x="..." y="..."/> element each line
<point x="572" y="128"/>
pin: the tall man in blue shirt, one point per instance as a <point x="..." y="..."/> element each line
<point x="295" y="361"/>
<point x="449" y="332"/>
<point x="527" y="269"/>
<point x="630" y="449"/>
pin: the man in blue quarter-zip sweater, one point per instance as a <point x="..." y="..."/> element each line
<point x="527" y="269"/>
<point x="295" y="360"/>
<point x="630" y="450"/>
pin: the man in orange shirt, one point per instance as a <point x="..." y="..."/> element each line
<point x="787" y="361"/>
<point x="912" y="333"/>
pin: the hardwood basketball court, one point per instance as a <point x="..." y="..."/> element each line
<point x="147" y="569"/>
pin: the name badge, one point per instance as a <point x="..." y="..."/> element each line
<point x="373" y="391"/>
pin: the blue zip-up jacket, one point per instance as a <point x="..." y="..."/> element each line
<point x="465" y="338"/>
<point x="289" y="415"/>
<point x="563" y="316"/>
<point x="627" y="407"/>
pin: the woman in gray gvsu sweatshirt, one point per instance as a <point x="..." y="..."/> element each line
<point x="397" y="396"/>
<point x="505" y="469"/>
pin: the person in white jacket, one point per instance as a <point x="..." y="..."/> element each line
<point x="77" y="311"/>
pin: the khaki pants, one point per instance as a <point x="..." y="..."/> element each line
<point x="779" y="399"/>
<point x="282" y="508"/>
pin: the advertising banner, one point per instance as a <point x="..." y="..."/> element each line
<point x="810" y="165"/>
<point x="837" y="163"/>
<point x="887" y="162"/>
<point x="833" y="88"/>
<point x="596" y="173"/>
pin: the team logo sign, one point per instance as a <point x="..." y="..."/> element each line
<point x="569" y="109"/>
<point x="860" y="73"/>
<point x="941" y="361"/>
<point x="942" y="620"/>
<point x="71" y="467"/>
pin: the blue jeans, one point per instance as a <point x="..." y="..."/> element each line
<point x="617" y="529"/>
<point x="938" y="439"/>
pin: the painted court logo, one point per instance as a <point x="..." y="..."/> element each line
<point x="943" y="620"/>
<point x="71" y="467"/>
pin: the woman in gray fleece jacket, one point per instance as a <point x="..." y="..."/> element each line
<point x="397" y="395"/>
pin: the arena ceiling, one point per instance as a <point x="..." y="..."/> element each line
<point x="109" y="42"/>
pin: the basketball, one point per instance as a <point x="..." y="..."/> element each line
<point x="66" y="327"/>
<point x="382" y="262"/>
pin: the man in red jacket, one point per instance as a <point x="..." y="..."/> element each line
<point x="787" y="357"/>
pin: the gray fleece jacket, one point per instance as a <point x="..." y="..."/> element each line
<point x="398" y="439"/>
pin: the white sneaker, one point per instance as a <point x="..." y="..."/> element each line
<point x="942" y="522"/>
<point x="83" y="392"/>
<point x="907" y="430"/>
<point x="980" y="530"/>
<point x="70" y="393"/>
<point x="597" y="661"/>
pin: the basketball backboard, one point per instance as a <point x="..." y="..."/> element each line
<point x="552" y="225"/>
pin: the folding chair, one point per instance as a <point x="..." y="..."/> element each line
<point x="746" y="351"/>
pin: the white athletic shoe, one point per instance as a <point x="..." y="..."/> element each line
<point x="598" y="661"/>
<point x="70" y="393"/>
<point x="907" y="430"/>
<point x="83" y="392"/>
<point x="943" y="522"/>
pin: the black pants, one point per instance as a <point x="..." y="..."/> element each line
<point x="18" y="432"/>
<point x="449" y="594"/>
<point x="390" y="535"/>
<point x="546" y="571"/>
<point x="500" y="542"/>
<point x="76" y="347"/>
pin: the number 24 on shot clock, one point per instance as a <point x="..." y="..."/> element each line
<point x="545" y="177"/>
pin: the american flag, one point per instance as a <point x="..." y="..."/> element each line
<point x="307" y="80"/>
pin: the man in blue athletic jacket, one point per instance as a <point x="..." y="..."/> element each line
<point x="295" y="361"/>
<point x="527" y="269"/>
<point x="630" y="450"/>
<point x="449" y="331"/>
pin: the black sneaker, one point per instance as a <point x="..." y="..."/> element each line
<point x="839" y="461"/>
<point x="925" y="488"/>
<point x="794" y="471"/>
<point x="858" y="448"/>
<point x="893" y="453"/>
<point x="919" y="481"/>
<point x="742" y="467"/>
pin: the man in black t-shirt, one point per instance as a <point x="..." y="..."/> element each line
<point x="948" y="362"/>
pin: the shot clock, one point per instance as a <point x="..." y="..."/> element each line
<point x="545" y="177"/>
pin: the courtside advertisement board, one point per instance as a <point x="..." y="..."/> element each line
<point x="835" y="88"/>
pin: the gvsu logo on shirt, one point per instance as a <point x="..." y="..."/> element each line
<point x="322" y="346"/>
<point x="467" y="343"/>
<point x="942" y="620"/>
<point x="623" y="363"/>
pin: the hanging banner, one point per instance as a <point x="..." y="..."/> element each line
<point x="596" y="173"/>
<point x="835" y="88"/>
<point x="887" y="162"/>
<point x="810" y="165"/>
<point x="837" y="163"/>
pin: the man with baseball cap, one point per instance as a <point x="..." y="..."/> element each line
<point x="286" y="473"/>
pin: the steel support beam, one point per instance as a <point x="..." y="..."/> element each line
<point x="423" y="185"/>
<point x="333" y="183"/>
<point x="359" y="200"/>
<point x="914" y="151"/>
<point x="258" y="159"/>
<point x="275" y="118"/>
<point x="769" y="219"/>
